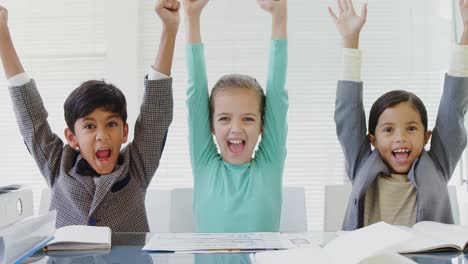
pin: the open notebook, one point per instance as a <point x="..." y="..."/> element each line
<point x="433" y="236"/>
<point x="78" y="237"/>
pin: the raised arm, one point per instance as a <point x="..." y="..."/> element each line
<point x="156" y="110"/>
<point x="168" y="12"/>
<point x="350" y="117"/>
<point x="31" y="115"/>
<point x="348" y="23"/>
<point x="272" y="148"/>
<point x="279" y="14"/>
<point x="10" y="60"/>
<point x="201" y="144"/>
<point x="448" y="139"/>
<point x="464" y="13"/>
<point x="193" y="10"/>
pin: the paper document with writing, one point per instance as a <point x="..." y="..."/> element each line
<point x="80" y="237"/>
<point x="365" y="245"/>
<point x="433" y="236"/>
<point x="308" y="239"/>
<point x="215" y="242"/>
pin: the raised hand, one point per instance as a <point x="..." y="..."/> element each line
<point x="168" y="11"/>
<point x="348" y="23"/>
<point x="194" y="7"/>
<point x="464" y="14"/>
<point x="273" y="6"/>
<point x="278" y="11"/>
<point x="10" y="60"/>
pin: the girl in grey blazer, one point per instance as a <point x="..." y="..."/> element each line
<point x="398" y="181"/>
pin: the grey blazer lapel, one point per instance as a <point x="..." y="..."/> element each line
<point x="103" y="186"/>
<point x="372" y="167"/>
<point x="426" y="168"/>
<point x="86" y="181"/>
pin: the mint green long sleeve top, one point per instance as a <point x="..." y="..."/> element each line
<point x="246" y="197"/>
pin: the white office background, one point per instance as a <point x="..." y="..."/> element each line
<point x="406" y="45"/>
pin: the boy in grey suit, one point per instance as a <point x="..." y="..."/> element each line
<point x="398" y="182"/>
<point x="93" y="181"/>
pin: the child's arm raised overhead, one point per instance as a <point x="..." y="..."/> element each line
<point x="11" y="63"/>
<point x="201" y="144"/>
<point x="156" y="110"/>
<point x="193" y="10"/>
<point x="349" y="110"/>
<point x="279" y="15"/>
<point x="168" y="12"/>
<point x="273" y="144"/>
<point x="449" y="135"/>
<point x="44" y="146"/>
<point x="348" y="23"/>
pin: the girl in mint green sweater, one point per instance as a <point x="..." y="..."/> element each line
<point x="233" y="191"/>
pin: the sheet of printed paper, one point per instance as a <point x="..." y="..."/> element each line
<point x="178" y="242"/>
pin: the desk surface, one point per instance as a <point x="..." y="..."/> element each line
<point x="126" y="248"/>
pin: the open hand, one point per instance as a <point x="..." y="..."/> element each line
<point x="348" y="23"/>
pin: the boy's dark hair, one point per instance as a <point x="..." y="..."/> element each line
<point x="90" y="96"/>
<point x="391" y="99"/>
<point x="230" y="81"/>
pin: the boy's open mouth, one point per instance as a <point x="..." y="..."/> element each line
<point x="401" y="154"/>
<point x="103" y="154"/>
<point x="236" y="146"/>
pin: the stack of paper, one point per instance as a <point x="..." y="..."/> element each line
<point x="21" y="239"/>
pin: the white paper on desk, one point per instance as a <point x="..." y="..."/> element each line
<point x="304" y="240"/>
<point x="362" y="243"/>
<point x="296" y="256"/>
<point x="365" y="245"/>
<point x="215" y="242"/>
<point x="387" y="258"/>
<point x="318" y="255"/>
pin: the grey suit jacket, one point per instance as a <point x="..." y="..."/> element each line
<point x="117" y="199"/>
<point x="429" y="173"/>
